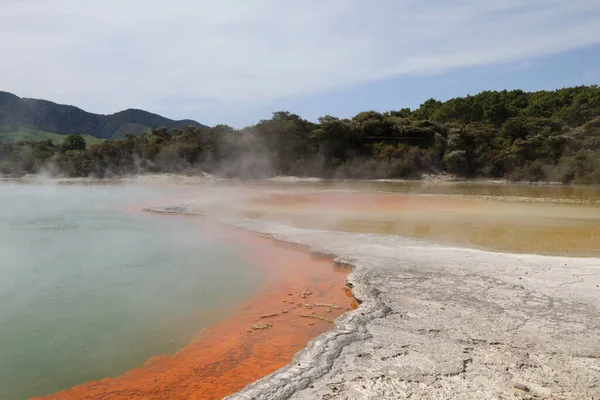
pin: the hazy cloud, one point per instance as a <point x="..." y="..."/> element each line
<point x="112" y="54"/>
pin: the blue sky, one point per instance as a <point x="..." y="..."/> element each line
<point x="236" y="61"/>
<point x="570" y="68"/>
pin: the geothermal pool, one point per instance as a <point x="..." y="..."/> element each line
<point x="91" y="287"/>
<point x="90" y="290"/>
<point x="102" y="300"/>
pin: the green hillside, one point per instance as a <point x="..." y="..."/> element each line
<point x="46" y="116"/>
<point x="130" y="129"/>
<point x="36" y="135"/>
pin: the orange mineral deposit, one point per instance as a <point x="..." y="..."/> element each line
<point x="244" y="347"/>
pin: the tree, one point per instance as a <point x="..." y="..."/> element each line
<point x="74" y="142"/>
<point x="427" y="109"/>
<point x="456" y="162"/>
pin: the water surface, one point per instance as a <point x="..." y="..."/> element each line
<point x="553" y="220"/>
<point x="88" y="290"/>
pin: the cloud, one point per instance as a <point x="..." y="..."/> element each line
<point x="112" y="54"/>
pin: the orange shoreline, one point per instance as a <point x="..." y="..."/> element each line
<point x="229" y="355"/>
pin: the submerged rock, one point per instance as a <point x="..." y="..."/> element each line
<point x="257" y="327"/>
<point x="316" y="317"/>
<point x="333" y="306"/>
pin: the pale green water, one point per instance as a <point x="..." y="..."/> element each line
<point x="89" y="291"/>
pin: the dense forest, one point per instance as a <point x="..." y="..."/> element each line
<point x="538" y="136"/>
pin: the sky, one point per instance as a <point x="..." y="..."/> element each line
<point x="237" y="61"/>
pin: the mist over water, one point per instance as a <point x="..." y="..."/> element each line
<point x="88" y="290"/>
<point x="540" y="219"/>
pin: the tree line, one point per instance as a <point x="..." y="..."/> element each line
<point x="516" y="135"/>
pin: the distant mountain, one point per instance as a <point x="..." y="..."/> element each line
<point x="30" y="117"/>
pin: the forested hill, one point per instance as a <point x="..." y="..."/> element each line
<point x="571" y="106"/>
<point x="538" y="136"/>
<point x="21" y="115"/>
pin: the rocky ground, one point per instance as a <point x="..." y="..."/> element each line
<point x="445" y="323"/>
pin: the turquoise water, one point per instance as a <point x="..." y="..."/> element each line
<point x="88" y="290"/>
